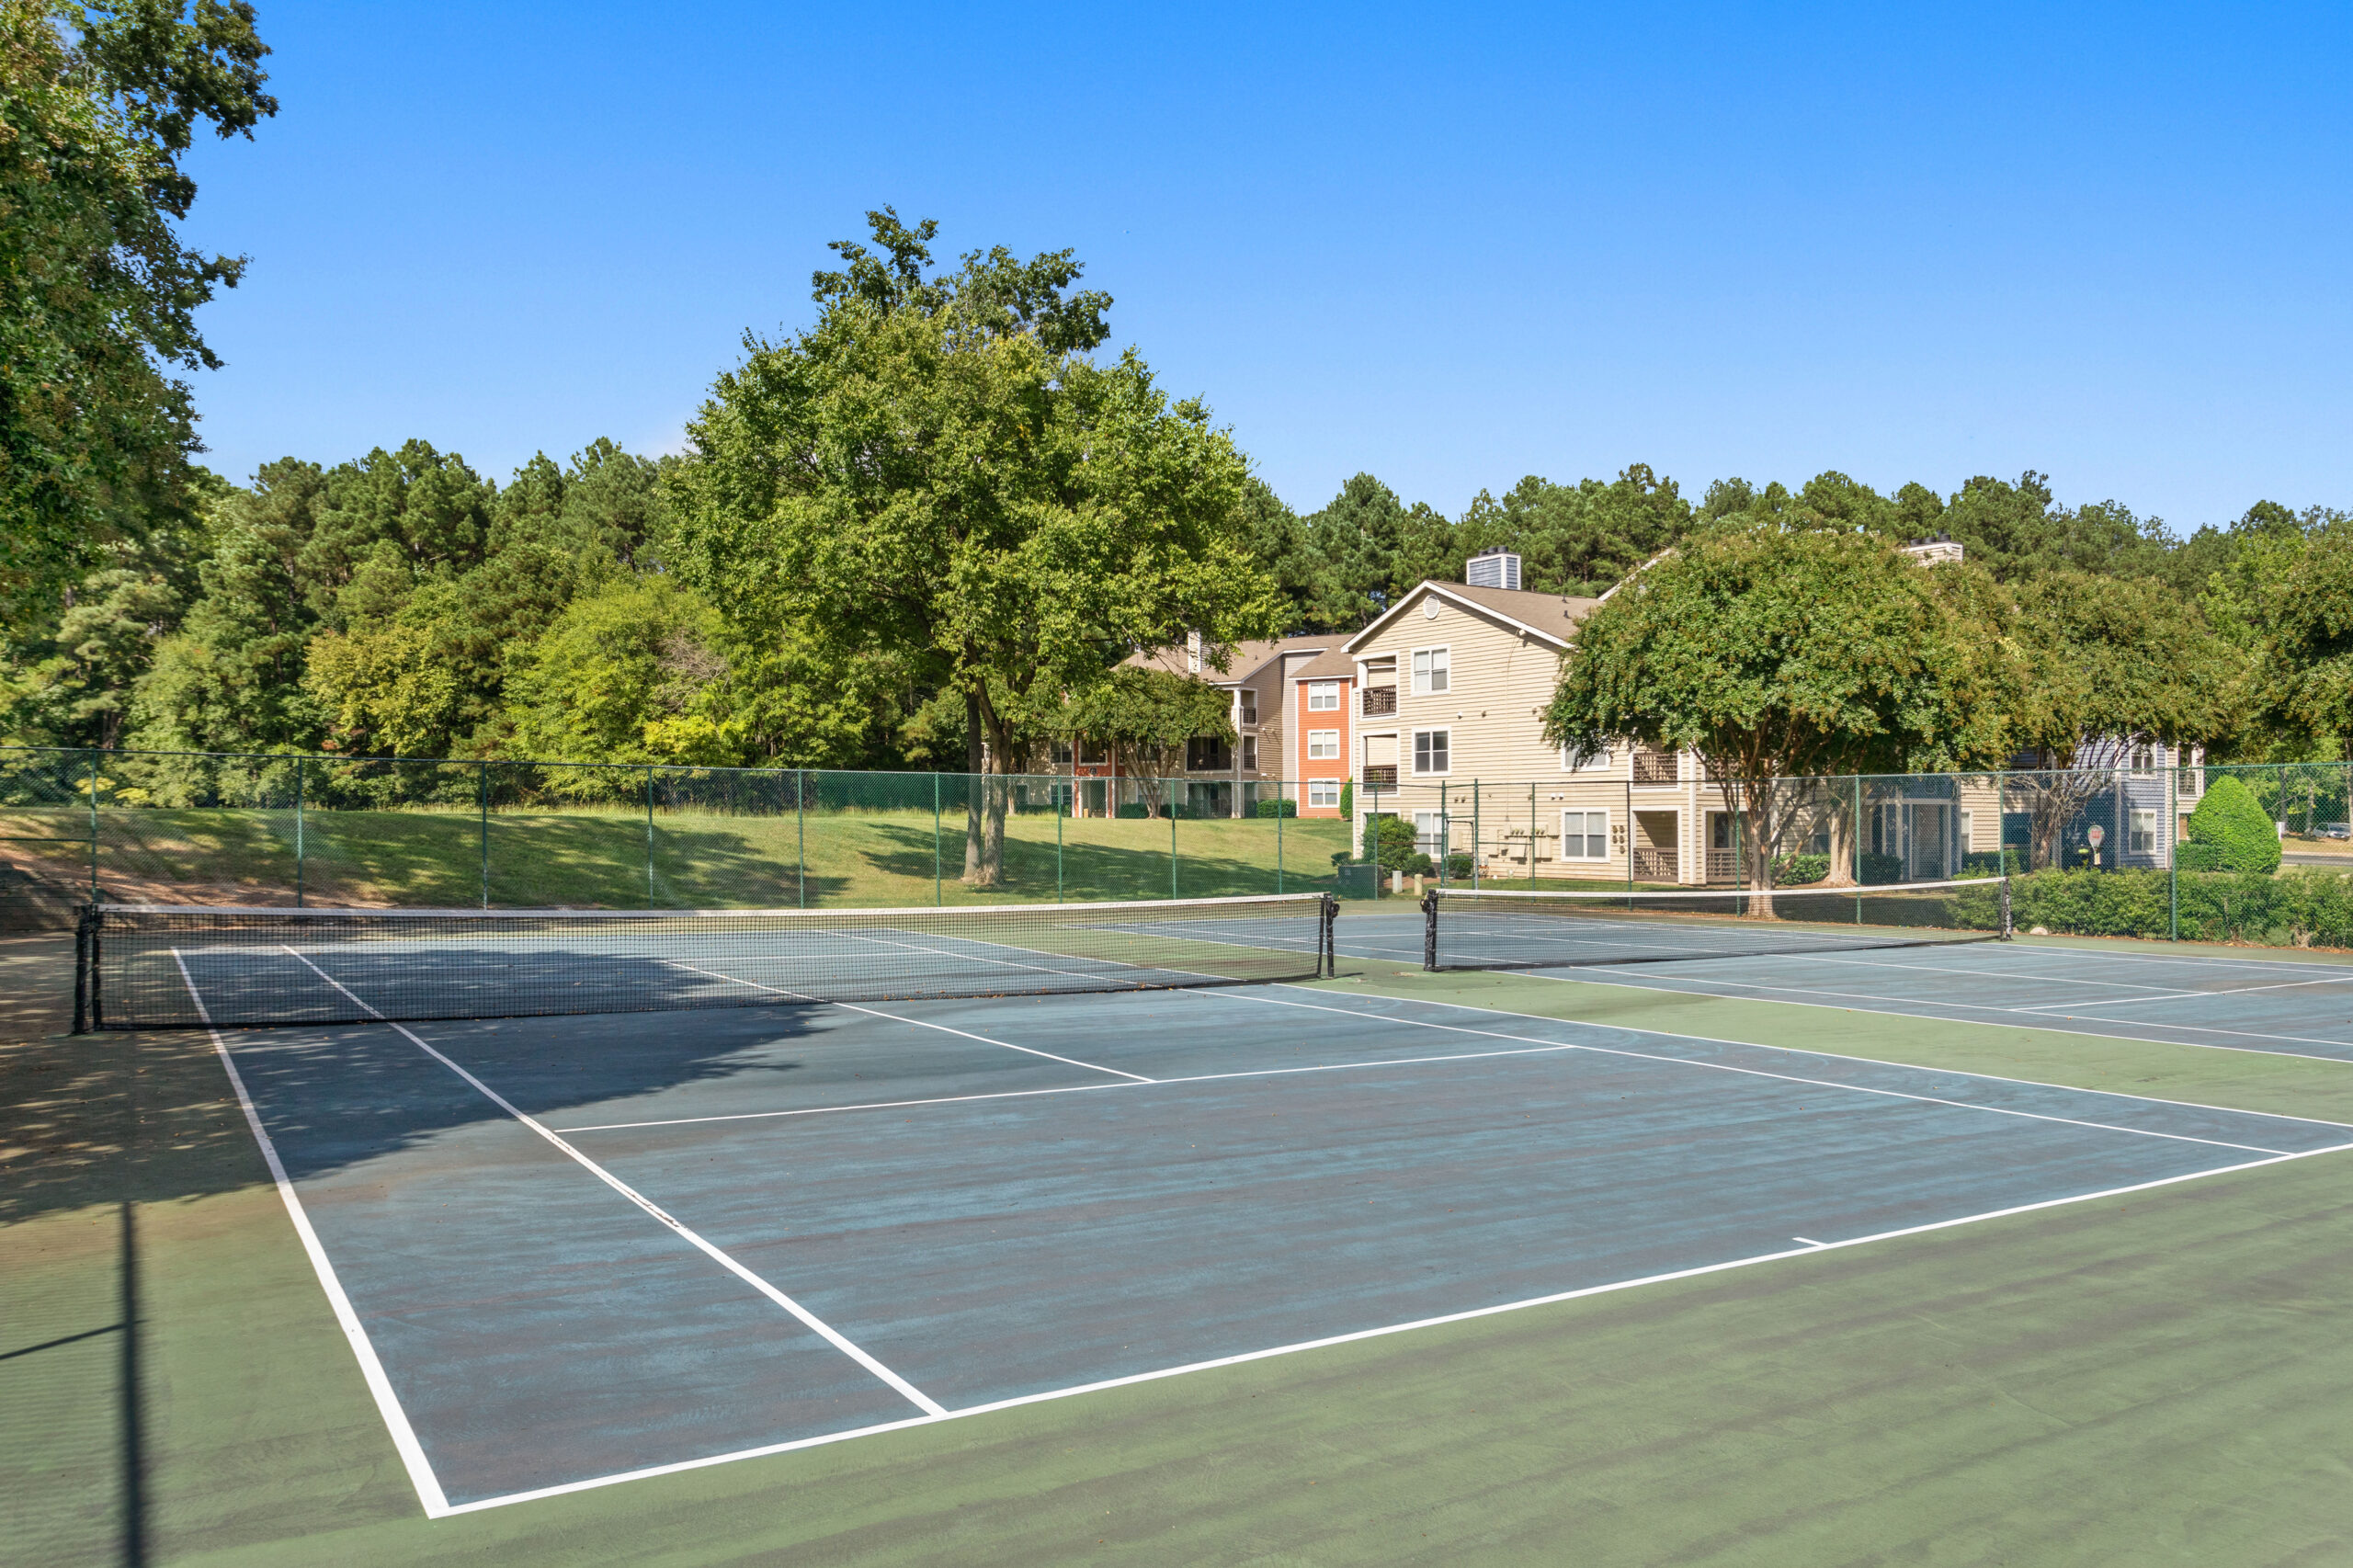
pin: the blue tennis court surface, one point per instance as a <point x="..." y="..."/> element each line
<point x="2297" y="1006"/>
<point x="723" y="1233"/>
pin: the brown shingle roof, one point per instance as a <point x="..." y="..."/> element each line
<point x="1331" y="665"/>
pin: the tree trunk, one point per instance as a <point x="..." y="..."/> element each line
<point x="1845" y="832"/>
<point x="974" y="762"/>
<point x="995" y="788"/>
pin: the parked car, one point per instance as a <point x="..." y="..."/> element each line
<point x="2337" y="830"/>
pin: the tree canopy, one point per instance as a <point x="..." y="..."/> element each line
<point x="97" y="105"/>
<point x="936" y="471"/>
<point x="1776" y="651"/>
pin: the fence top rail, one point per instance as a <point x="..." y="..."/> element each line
<point x="833" y="912"/>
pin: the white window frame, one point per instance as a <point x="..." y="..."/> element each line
<point x="2137" y="840"/>
<point x="1323" y="697"/>
<point x="1323" y="745"/>
<point x="1420" y="750"/>
<point x="1586" y="762"/>
<point x="1968" y="819"/>
<point x="1430" y="829"/>
<point x="1324" y="792"/>
<point x="1433" y="670"/>
<point x="1587" y="814"/>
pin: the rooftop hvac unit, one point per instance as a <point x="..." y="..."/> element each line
<point x="1493" y="569"/>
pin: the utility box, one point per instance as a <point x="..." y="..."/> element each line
<point x="1360" y="880"/>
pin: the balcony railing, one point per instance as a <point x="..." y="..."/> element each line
<point x="1724" y="865"/>
<point x="1654" y="767"/>
<point x="1381" y="774"/>
<point x="1249" y="715"/>
<point x="1379" y="699"/>
<point x="1655" y="865"/>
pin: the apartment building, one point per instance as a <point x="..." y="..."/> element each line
<point x="1324" y="697"/>
<point x="1219" y="777"/>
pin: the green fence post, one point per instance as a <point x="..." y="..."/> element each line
<point x="1172" y="840"/>
<point x="1476" y="856"/>
<point x="94" y="826"/>
<point x="1060" y="807"/>
<point x="648" y="836"/>
<point x="1281" y="800"/>
<point x="482" y="806"/>
<point x="938" y="896"/>
<point x="300" y="764"/>
<point x="1629" y="827"/>
<point x="2173" y="856"/>
<point x="800" y="832"/>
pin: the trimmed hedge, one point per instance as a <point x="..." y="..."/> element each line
<point x="2298" y="908"/>
<point x="1987" y="863"/>
<point x="2233" y="831"/>
<point x="1283" y="807"/>
<point x="1795" y="870"/>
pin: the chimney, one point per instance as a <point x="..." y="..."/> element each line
<point x="1497" y="568"/>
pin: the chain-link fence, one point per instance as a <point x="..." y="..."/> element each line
<point x="2245" y="853"/>
<point x="269" y="830"/>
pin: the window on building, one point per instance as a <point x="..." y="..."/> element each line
<point x="1061" y="754"/>
<point x="1324" y="792"/>
<point x="1207" y="753"/>
<point x="2145" y="757"/>
<point x="1430" y="671"/>
<point x="1430" y="833"/>
<point x="1595" y="761"/>
<point x="1249" y="754"/>
<point x="1323" y="745"/>
<point x="1323" y="697"/>
<point x="1430" y="747"/>
<point x="1093" y="754"/>
<point x="2143" y="838"/>
<point x="1585" y="835"/>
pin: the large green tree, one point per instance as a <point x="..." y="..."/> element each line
<point x="1779" y="652"/>
<point x="97" y="294"/>
<point x="2302" y="688"/>
<point x="2105" y="661"/>
<point x="1145" y="717"/>
<point x="938" y="471"/>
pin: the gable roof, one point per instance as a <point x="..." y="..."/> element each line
<point x="1551" y="617"/>
<point x="1244" y="660"/>
<point x="1333" y="663"/>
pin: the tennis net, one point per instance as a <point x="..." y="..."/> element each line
<point x="167" y="966"/>
<point x="1480" y="929"/>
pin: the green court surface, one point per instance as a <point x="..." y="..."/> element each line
<point x="2162" y="1376"/>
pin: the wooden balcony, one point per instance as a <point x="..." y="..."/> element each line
<point x="1655" y="865"/>
<point x="1379" y="699"/>
<point x="1382" y="776"/>
<point x="1655" y="767"/>
<point x="1724" y="865"/>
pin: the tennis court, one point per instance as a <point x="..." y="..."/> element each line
<point x="576" y="1250"/>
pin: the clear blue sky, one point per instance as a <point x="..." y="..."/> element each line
<point x="1451" y="247"/>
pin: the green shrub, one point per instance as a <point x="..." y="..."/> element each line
<point x="1795" y="870"/>
<point x="1458" y="866"/>
<point x="2009" y="858"/>
<point x="1348" y="799"/>
<point x="1879" y="869"/>
<point x="1284" y="807"/>
<point x="1134" y="808"/>
<point x="1390" y="841"/>
<point x="2298" y="908"/>
<point x="2197" y="857"/>
<point x="2234" y="822"/>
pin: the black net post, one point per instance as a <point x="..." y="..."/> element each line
<point x="1429" y="929"/>
<point x="81" y="938"/>
<point x="2008" y="929"/>
<point x="1331" y="922"/>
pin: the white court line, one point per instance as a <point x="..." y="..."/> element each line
<point x="2187" y="995"/>
<point x="347" y="1317"/>
<point x="1358" y="1336"/>
<point x="1812" y="1051"/>
<point x="1754" y="1071"/>
<point x="1909" y="1007"/>
<point x="1809" y="1241"/>
<point x="919" y="1022"/>
<point x="818" y="1325"/>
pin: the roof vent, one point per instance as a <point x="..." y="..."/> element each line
<point x="1497" y="568"/>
